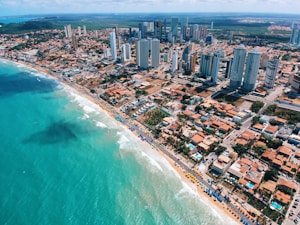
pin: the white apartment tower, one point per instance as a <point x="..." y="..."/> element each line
<point x="271" y="73"/>
<point x="215" y="66"/>
<point x="237" y="68"/>
<point x="251" y="71"/>
<point x="155" y="52"/>
<point x="174" y="61"/>
<point x="143" y="53"/>
<point x="126" y="52"/>
<point x="113" y="45"/>
<point x="68" y="31"/>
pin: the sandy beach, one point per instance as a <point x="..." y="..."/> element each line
<point x="222" y="207"/>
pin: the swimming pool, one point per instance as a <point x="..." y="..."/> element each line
<point x="191" y="147"/>
<point x="275" y="205"/>
<point x="250" y="185"/>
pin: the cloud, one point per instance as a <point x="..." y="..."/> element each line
<point x="77" y="6"/>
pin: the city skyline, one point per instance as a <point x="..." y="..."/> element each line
<point x="12" y="7"/>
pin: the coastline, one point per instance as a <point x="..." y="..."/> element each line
<point x="113" y="113"/>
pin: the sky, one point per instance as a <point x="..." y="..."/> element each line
<point x="25" y="7"/>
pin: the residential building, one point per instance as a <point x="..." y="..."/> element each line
<point x="126" y="52"/>
<point x="271" y="73"/>
<point x="237" y="67"/>
<point x="155" y="52"/>
<point x="251" y="71"/>
<point x="215" y="67"/>
<point x="206" y="65"/>
<point x="113" y="45"/>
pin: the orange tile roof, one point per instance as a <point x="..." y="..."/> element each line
<point x="248" y="135"/>
<point x="288" y="184"/>
<point x="284" y="150"/>
<point x="282" y="197"/>
<point x="258" y="126"/>
<point x="277" y="162"/>
<point x="271" y="129"/>
<point x="241" y="141"/>
<point x="197" y="139"/>
<point x="245" y="161"/>
<point x="280" y="120"/>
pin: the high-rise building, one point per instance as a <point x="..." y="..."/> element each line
<point x="68" y="31"/>
<point x="174" y="61"/>
<point x="251" y="71"/>
<point x="74" y="42"/>
<point x="84" y="30"/>
<point x="113" y="45"/>
<point x="228" y="67"/>
<point x="158" y="29"/>
<point x="206" y="65"/>
<point x="143" y="29"/>
<point x="174" y="26"/>
<point x="295" y="83"/>
<point x="143" y="53"/>
<point x="237" y="69"/>
<point x="215" y="66"/>
<point x="126" y="52"/>
<point x="79" y="31"/>
<point x="295" y="35"/>
<point x="193" y="60"/>
<point x="271" y="73"/>
<point x="186" y="52"/>
<point x="155" y="52"/>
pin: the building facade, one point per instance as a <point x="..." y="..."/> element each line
<point x="237" y="68"/>
<point x="271" y="73"/>
<point x="251" y="71"/>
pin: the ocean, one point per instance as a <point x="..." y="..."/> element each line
<point x="15" y="19"/>
<point x="64" y="160"/>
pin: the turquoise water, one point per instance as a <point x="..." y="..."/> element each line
<point x="250" y="185"/>
<point x="276" y="206"/>
<point x="7" y="20"/>
<point x="65" y="161"/>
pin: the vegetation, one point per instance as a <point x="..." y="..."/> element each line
<point x="271" y="109"/>
<point x="226" y="98"/>
<point x="256" y="106"/>
<point x="271" y="174"/>
<point x="155" y="117"/>
<point x="255" y="119"/>
<point x="139" y="93"/>
<point x="291" y="116"/>
<point x="241" y="149"/>
<point x="259" y="149"/>
<point x="274" y="143"/>
<point x="220" y="149"/>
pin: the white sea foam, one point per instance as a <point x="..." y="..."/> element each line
<point x="85" y="116"/>
<point x="152" y="161"/>
<point x="99" y="124"/>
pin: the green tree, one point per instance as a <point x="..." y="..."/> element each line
<point x="255" y="119"/>
<point x="271" y="174"/>
<point x="256" y="106"/>
<point x="274" y="143"/>
<point x="271" y="109"/>
<point x="240" y="149"/>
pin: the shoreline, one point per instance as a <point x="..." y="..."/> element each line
<point x="111" y="111"/>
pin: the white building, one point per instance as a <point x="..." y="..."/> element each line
<point x="271" y="73"/>
<point x="237" y="68"/>
<point x="251" y="71"/>
<point x="126" y="52"/>
<point x="155" y="52"/>
<point x="143" y="53"/>
<point x="215" y="66"/>
<point x="174" y="61"/>
<point x="113" y="45"/>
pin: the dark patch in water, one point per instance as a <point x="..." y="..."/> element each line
<point x="24" y="82"/>
<point x="55" y="133"/>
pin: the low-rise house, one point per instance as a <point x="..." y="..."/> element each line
<point x="221" y="164"/>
